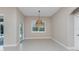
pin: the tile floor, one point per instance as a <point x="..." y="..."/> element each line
<point x="37" y="45"/>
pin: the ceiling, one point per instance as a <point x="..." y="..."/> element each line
<point x="44" y="11"/>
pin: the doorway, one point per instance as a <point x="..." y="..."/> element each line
<point x="1" y="32"/>
<point x="76" y="32"/>
<point x="21" y="33"/>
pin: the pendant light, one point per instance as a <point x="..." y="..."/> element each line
<point x="39" y="22"/>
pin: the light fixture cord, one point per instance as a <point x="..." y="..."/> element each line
<point x="39" y="13"/>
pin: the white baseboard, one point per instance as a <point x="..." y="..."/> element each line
<point x="38" y="38"/>
<point x="69" y="48"/>
<point x="10" y="45"/>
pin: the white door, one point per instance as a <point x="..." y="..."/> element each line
<point x="76" y="32"/>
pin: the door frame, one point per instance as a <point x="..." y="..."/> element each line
<point x="74" y="33"/>
<point x="3" y="30"/>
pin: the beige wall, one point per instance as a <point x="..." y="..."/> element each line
<point x="20" y="20"/>
<point x="10" y="25"/>
<point x="28" y="33"/>
<point x="62" y="26"/>
<point x="12" y="18"/>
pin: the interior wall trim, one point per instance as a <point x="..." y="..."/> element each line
<point x="67" y="47"/>
<point x="38" y="38"/>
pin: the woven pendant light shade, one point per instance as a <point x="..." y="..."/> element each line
<point x="39" y="22"/>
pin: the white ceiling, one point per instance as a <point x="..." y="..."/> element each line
<point x="33" y="11"/>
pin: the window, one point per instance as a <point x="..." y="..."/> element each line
<point x="37" y="27"/>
